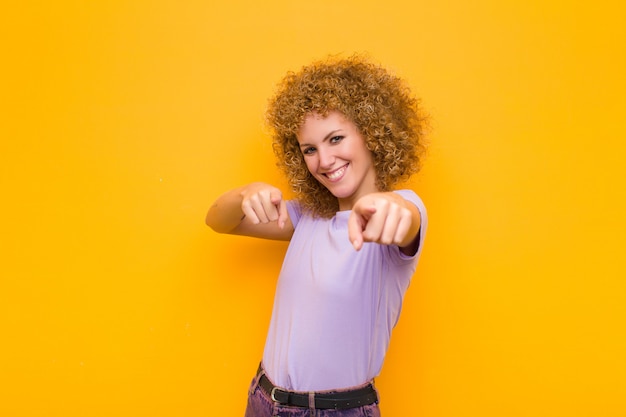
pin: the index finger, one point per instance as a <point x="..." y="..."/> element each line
<point x="283" y="214"/>
<point x="357" y="222"/>
<point x="355" y="230"/>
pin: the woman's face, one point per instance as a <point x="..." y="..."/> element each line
<point x="335" y="154"/>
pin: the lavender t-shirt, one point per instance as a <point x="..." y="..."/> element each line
<point x="334" y="307"/>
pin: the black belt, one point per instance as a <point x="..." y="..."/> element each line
<point x="333" y="400"/>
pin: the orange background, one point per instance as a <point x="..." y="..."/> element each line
<point x="121" y="121"/>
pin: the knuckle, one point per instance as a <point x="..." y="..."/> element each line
<point x="383" y="203"/>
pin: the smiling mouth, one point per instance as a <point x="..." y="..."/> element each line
<point x="336" y="174"/>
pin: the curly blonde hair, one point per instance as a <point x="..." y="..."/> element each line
<point x="379" y="103"/>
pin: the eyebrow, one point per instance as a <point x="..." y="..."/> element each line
<point x="328" y="136"/>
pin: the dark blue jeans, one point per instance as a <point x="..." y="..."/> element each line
<point x="261" y="405"/>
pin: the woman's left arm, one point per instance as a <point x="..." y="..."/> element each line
<point x="385" y="218"/>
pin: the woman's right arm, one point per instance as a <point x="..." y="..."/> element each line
<point x="256" y="209"/>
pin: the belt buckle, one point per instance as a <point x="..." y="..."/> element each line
<point x="284" y="396"/>
<point x="273" y="395"/>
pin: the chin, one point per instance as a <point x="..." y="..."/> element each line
<point x="341" y="194"/>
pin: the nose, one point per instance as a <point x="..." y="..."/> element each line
<point x="326" y="158"/>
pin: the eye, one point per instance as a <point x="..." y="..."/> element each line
<point x="336" y="139"/>
<point x="308" y="151"/>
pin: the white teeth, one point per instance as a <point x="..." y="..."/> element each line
<point x="336" y="174"/>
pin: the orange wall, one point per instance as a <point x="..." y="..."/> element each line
<point x="123" y="120"/>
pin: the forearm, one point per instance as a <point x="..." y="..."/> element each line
<point x="226" y="213"/>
